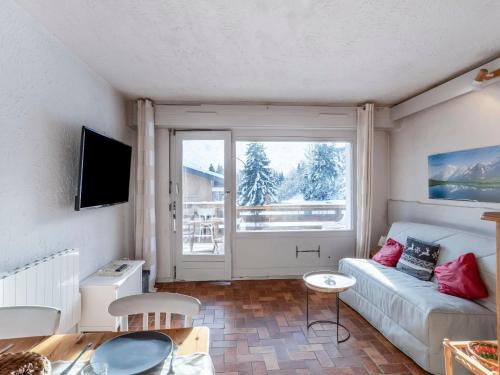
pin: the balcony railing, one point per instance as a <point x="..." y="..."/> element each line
<point x="276" y="216"/>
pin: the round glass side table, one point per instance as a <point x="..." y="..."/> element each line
<point x="328" y="282"/>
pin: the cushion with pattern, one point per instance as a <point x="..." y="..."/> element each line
<point x="419" y="258"/>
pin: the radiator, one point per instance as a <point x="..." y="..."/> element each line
<point x="52" y="281"/>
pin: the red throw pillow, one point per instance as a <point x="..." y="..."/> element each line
<point x="461" y="278"/>
<point x="389" y="254"/>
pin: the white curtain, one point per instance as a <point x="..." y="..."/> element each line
<point x="365" y="135"/>
<point x="145" y="217"/>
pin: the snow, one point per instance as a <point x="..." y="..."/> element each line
<point x="320" y="175"/>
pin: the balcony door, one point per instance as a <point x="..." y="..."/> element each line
<point x="201" y="193"/>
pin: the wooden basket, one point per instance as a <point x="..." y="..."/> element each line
<point x="24" y="363"/>
<point x="486" y="361"/>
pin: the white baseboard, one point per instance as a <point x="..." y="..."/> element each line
<point x="279" y="277"/>
<point x="275" y="277"/>
<point x="281" y="272"/>
<point x="164" y="280"/>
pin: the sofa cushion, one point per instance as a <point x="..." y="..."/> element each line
<point x="390" y="253"/>
<point x="419" y="258"/>
<point x="455" y="242"/>
<point x="461" y="278"/>
<point x="415" y="305"/>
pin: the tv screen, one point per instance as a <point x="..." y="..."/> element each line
<point x="104" y="171"/>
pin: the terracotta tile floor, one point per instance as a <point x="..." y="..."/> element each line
<point x="258" y="327"/>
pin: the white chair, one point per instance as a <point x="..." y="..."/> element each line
<point x="25" y="321"/>
<point x="168" y="303"/>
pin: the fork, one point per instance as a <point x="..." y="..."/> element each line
<point x="6" y="348"/>
<point x="67" y="370"/>
<point x="174" y="350"/>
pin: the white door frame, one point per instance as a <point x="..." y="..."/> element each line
<point x="194" y="267"/>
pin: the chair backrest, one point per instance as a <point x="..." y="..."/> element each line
<point x="168" y="303"/>
<point x="26" y="321"/>
<point x="206" y="213"/>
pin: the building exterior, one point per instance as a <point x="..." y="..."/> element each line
<point x="201" y="185"/>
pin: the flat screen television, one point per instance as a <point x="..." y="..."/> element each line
<point x="104" y="175"/>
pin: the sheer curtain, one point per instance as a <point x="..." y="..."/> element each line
<point x="365" y="135"/>
<point x="145" y="217"/>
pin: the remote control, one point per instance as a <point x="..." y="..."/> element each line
<point x="121" y="268"/>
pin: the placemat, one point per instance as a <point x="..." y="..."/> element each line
<point x="194" y="364"/>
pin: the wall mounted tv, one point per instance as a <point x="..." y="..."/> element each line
<point x="104" y="171"/>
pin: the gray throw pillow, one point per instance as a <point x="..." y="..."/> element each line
<point x="419" y="258"/>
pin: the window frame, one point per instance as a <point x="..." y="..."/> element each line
<point x="341" y="135"/>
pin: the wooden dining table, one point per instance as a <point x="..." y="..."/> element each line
<point x="67" y="347"/>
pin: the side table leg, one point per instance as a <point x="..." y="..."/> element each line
<point x="338" y="315"/>
<point x="336" y="322"/>
<point x="307" y="308"/>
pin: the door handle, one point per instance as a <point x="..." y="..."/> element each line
<point x="174" y="216"/>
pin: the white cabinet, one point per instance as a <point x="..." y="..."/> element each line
<point x="99" y="291"/>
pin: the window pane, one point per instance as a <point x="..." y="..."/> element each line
<point x="293" y="186"/>
<point x="203" y="197"/>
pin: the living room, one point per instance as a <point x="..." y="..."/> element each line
<point x="312" y="184"/>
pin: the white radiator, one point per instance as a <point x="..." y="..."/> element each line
<point x="51" y="281"/>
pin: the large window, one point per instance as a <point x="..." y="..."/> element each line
<point x="293" y="186"/>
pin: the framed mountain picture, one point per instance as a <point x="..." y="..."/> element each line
<point x="469" y="175"/>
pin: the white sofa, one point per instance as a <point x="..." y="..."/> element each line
<point x="412" y="313"/>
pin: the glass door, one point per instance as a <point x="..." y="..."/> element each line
<point x="201" y="201"/>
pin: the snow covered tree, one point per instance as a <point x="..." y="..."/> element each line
<point x="291" y="187"/>
<point x="278" y="177"/>
<point x="211" y="168"/>
<point x="258" y="185"/>
<point x="325" y="173"/>
<point x="220" y="169"/>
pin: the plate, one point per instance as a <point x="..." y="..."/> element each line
<point x="133" y="353"/>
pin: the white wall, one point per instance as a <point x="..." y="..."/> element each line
<point x="380" y="186"/>
<point x="46" y="95"/>
<point x="469" y="121"/>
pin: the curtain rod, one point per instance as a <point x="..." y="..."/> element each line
<point x="257" y="104"/>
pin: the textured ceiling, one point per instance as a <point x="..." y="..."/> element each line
<point x="304" y="51"/>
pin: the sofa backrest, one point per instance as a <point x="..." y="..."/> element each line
<point x="455" y="242"/>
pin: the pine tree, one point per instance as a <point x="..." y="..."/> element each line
<point x="278" y="178"/>
<point x="211" y="168"/>
<point x="220" y="169"/>
<point x="325" y="173"/>
<point x="292" y="183"/>
<point x="257" y="181"/>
